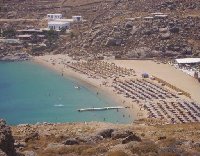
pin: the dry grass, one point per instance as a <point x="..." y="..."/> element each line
<point x="117" y="153"/>
<point x="175" y="135"/>
<point x="78" y="149"/>
<point x="144" y="148"/>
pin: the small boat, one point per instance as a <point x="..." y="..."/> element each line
<point x="59" y="105"/>
<point x="76" y="87"/>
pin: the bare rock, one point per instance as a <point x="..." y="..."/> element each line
<point x="174" y="29"/>
<point x="120" y="134"/>
<point x="187" y="51"/>
<point x="106" y="133"/>
<point x="20" y="144"/>
<point x="29" y="153"/>
<point x="165" y="36"/>
<point x="163" y="30"/>
<point x="92" y="139"/>
<point x="71" y="142"/>
<point x="113" y="41"/>
<point x="132" y="137"/>
<point x="129" y="25"/>
<point x="134" y="30"/>
<point x="6" y="139"/>
<point x="196" y="145"/>
<point x="2" y="153"/>
<point x="32" y="136"/>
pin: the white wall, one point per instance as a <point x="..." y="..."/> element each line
<point x="54" y="16"/>
<point x="58" y="26"/>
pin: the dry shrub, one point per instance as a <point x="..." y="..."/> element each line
<point x="168" y="154"/>
<point x="77" y="149"/>
<point x="144" y="148"/>
<point x="93" y="151"/>
<point x="169" y="142"/>
<point x="117" y="153"/>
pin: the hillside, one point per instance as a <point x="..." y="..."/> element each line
<point x="116" y="27"/>
<point x="124" y="29"/>
<point x="89" y="139"/>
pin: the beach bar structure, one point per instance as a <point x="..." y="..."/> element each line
<point x="58" y="25"/>
<point x="54" y="16"/>
<point x="145" y="75"/>
<point x="188" y="61"/>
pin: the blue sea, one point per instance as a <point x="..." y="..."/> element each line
<point x="31" y="93"/>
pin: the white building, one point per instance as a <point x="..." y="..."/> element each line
<point x="65" y="20"/>
<point x="161" y="16"/>
<point x="188" y="61"/>
<point x="157" y="13"/>
<point x="77" y="18"/>
<point x="148" y="18"/>
<point x="58" y="25"/>
<point x="54" y="16"/>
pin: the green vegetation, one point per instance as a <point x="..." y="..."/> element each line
<point x="52" y="37"/>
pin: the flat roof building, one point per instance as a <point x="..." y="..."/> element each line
<point x="54" y="16"/>
<point x="148" y="18"/>
<point x="58" y="25"/>
<point x="161" y="16"/>
<point x="157" y="13"/>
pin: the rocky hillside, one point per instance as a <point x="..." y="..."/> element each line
<point x="117" y="27"/>
<point x="123" y="31"/>
<point x="90" y="139"/>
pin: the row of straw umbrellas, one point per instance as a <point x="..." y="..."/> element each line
<point x="158" y="101"/>
<point x="141" y="90"/>
<point x="102" y="68"/>
<point x="179" y="111"/>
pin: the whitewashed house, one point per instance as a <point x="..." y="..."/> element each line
<point x="54" y="16"/>
<point x="58" y="25"/>
<point x="77" y="18"/>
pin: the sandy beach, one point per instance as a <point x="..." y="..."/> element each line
<point x="166" y="72"/>
<point x="161" y="102"/>
<point x="58" y="64"/>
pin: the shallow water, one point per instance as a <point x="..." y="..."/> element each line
<point x="30" y="93"/>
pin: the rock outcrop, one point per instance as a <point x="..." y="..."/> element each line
<point x="6" y="140"/>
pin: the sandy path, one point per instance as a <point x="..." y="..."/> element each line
<point x="165" y="72"/>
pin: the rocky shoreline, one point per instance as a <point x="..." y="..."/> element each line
<point x="17" y="56"/>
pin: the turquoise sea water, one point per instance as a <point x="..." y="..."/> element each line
<point x="30" y="93"/>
